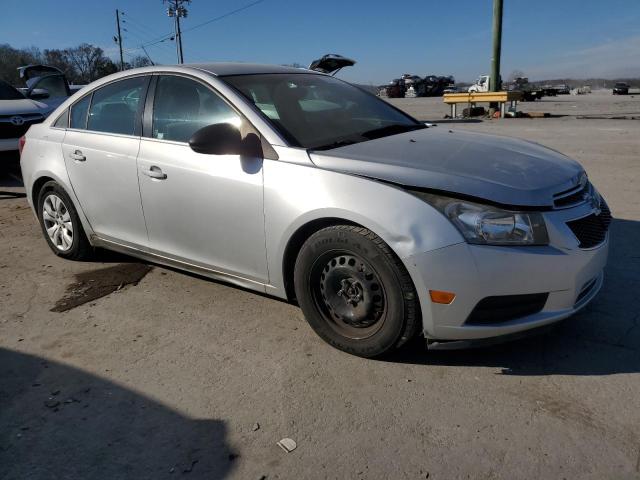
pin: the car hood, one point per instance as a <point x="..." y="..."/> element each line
<point x="498" y="169"/>
<point x="22" y="106"/>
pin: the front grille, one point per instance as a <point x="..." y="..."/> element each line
<point x="503" y="308"/>
<point x="592" y="229"/>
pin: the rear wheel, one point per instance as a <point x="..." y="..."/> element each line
<point x="60" y="223"/>
<point x="355" y="292"/>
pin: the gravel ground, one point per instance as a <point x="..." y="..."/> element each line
<point x="171" y="376"/>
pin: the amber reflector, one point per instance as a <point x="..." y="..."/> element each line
<point x="438" y="296"/>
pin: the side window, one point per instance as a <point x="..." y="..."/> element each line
<point x="63" y="120"/>
<point x="79" y="113"/>
<point x="115" y="108"/>
<point x="182" y="106"/>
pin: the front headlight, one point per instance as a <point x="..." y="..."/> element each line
<point x="489" y="225"/>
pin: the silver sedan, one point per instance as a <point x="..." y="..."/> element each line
<point x="301" y="186"/>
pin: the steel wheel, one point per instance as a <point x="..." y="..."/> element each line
<point x="57" y="222"/>
<point x="349" y="294"/>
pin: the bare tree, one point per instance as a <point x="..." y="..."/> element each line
<point x="87" y="60"/>
<point x="514" y="75"/>
<point x="139" y="61"/>
<point x="12" y="58"/>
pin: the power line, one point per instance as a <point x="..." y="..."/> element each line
<point x="127" y="18"/>
<point x="142" y="33"/>
<point x="228" y="14"/>
<point x="171" y="36"/>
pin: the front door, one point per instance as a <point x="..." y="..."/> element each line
<point x="205" y="210"/>
<point x="100" y="150"/>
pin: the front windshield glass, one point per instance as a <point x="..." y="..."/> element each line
<point x="321" y="112"/>
<point x="7" y="92"/>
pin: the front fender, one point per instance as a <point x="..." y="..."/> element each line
<point x="296" y="195"/>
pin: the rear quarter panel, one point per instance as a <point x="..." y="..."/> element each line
<point x="42" y="157"/>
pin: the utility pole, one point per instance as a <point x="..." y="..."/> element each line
<point x="177" y="10"/>
<point x="119" y="40"/>
<point x="495" y="83"/>
<point x="147" y="54"/>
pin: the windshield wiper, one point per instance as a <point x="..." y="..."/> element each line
<point x="391" y="130"/>
<point x="329" y="146"/>
<point x="371" y="134"/>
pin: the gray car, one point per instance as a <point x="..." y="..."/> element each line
<point x="301" y="186"/>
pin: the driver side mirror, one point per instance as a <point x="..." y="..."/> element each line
<point x="217" y="139"/>
<point x="224" y="139"/>
<point x="38" y="94"/>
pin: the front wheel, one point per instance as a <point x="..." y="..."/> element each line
<point x="355" y="292"/>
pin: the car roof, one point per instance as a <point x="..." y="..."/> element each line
<point x="235" y="68"/>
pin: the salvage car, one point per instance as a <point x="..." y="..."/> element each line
<point x="301" y="186"/>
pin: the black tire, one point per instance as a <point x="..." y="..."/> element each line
<point x="355" y="292"/>
<point x="80" y="248"/>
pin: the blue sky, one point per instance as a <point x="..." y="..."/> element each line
<point x="542" y="38"/>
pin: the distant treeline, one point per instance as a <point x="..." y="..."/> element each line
<point x="82" y="64"/>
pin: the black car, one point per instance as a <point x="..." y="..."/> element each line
<point x="621" y="88"/>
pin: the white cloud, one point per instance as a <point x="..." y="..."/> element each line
<point x="614" y="58"/>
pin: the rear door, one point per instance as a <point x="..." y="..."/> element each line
<point x="205" y="210"/>
<point x="100" y="150"/>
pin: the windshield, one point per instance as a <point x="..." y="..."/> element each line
<point x="321" y="112"/>
<point x="7" y="92"/>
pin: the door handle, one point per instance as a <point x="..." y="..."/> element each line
<point x="77" y="156"/>
<point x="155" y="172"/>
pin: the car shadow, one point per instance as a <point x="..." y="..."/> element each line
<point x="602" y="339"/>
<point x="60" y="422"/>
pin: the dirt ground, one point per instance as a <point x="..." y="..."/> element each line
<point x="166" y="375"/>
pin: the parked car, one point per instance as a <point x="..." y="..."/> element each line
<point x="621" y="88"/>
<point x="17" y="114"/>
<point x="47" y="79"/>
<point x="46" y="88"/>
<point x="301" y="186"/>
